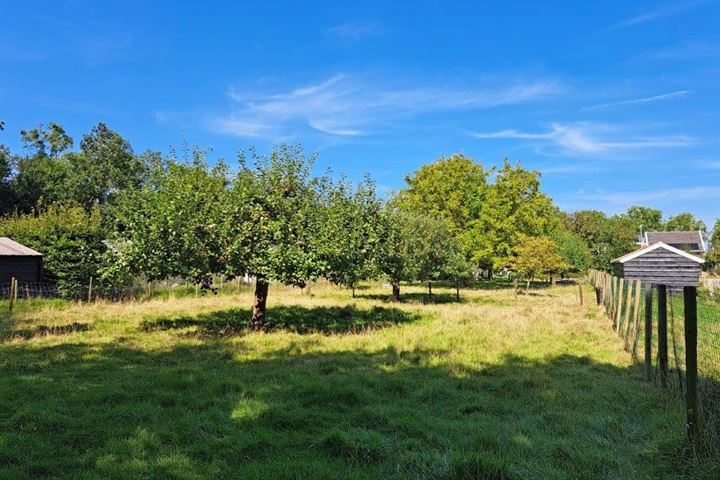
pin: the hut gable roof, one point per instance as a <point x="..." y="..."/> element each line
<point x="10" y="248"/>
<point x="655" y="246"/>
<point x="693" y="239"/>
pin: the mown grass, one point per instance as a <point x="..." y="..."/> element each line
<point x="497" y="386"/>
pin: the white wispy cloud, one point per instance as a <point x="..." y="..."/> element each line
<point x="641" y="100"/>
<point x="354" y="31"/>
<point x="688" y="50"/>
<point x="344" y="106"/>
<point x="665" y="11"/>
<point x="643" y="197"/>
<point x="590" y="138"/>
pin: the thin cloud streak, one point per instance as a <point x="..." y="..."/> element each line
<point x="354" y="31"/>
<point x="692" y="50"/>
<point x="642" y="100"/>
<point x="635" y="197"/>
<point x="663" y="12"/>
<point x="343" y="106"/>
<point x="587" y="138"/>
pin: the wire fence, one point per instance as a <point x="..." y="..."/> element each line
<point x="662" y="345"/>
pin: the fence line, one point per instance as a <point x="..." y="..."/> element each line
<point x="670" y="353"/>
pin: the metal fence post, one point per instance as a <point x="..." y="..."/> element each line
<point x="662" y="335"/>
<point x="691" y="367"/>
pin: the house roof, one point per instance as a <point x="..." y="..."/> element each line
<point x="677" y="238"/>
<point x="11" y="248"/>
<point x="655" y="246"/>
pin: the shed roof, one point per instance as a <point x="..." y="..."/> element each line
<point x="11" y="248"/>
<point x="655" y="246"/>
<point x="679" y="237"/>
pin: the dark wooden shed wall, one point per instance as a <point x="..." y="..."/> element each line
<point x="662" y="267"/>
<point x="24" y="269"/>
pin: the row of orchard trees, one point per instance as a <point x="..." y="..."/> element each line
<point x="277" y="222"/>
<point x="105" y="212"/>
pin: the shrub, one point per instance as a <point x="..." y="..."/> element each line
<point x="71" y="240"/>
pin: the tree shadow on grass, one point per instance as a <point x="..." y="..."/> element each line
<point x="415" y="297"/>
<point x="44" y="330"/>
<point x="211" y="411"/>
<point x="297" y="319"/>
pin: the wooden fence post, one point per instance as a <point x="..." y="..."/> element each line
<point x="90" y="290"/>
<point x="580" y="289"/>
<point x="626" y="319"/>
<point x="648" y="330"/>
<point x="636" y="318"/>
<point x="691" y="368"/>
<point x="618" y="310"/>
<point x="12" y="293"/>
<point x="629" y="303"/>
<point x="662" y="334"/>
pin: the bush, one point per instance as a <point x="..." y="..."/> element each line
<point x="71" y="240"/>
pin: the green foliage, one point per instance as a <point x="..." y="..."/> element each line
<point x="712" y="258"/>
<point x="46" y="141"/>
<point x="514" y="207"/>
<point x="105" y="165"/>
<point x="645" y="218"/>
<point x="685" y="221"/>
<point x="272" y="218"/>
<point x="172" y="227"/>
<point x="535" y="256"/>
<point x="399" y="258"/>
<point x="451" y="188"/>
<point x="349" y="236"/>
<point x="71" y="241"/>
<point x="7" y="195"/>
<point x="573" y="251"/>
<point x="607" y="238"/>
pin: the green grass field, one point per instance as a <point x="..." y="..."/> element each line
<point x="497" y="386"/>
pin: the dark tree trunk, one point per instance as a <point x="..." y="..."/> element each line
<point x="430" y="289"/>
<point x="489" y="274"/>
<point x="457" y="291"/>
<point x="353" y="290"/>
<point x="396" y="290"/>
<point x="261" y="292"/>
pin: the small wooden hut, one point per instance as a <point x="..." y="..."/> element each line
<point x="20" y="262"/>
<point x="660" y="264"/>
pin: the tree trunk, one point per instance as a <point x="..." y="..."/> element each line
<point x="489" y="273"/>
<point x="353" y="290"/>
<point x="457" y="291"/>
<point x="527" y="287"/>
<point x="430" y="289"/>
<point x="261" y="293"/>
<point x="396" y="290"/>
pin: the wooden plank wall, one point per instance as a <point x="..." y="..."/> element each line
<point x="662" y="267"/>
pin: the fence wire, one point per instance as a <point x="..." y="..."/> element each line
<point x="624" y="302"/>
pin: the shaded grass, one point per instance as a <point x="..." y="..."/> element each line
<point x="516" y="387"/>
<point x="297" y="319"/>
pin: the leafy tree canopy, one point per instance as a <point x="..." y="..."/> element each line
<point x="451" y="188"/>
<point x="685" y="221"/>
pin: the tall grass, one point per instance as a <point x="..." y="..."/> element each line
<point x="498" y="385"/>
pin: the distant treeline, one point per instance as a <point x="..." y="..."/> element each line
<point x="104" y="211"/>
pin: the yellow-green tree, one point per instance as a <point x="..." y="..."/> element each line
<point x="535" y="256"/>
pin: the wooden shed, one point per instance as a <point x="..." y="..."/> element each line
<point x="660" y="264"/>
<point x="19" y="261"/>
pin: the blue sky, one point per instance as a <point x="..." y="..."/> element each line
<point x="616" y="102"/>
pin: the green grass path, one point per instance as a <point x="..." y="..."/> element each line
<point x="494" y="387"/>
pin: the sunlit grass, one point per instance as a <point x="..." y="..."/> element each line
<point x="496" y="386"/>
